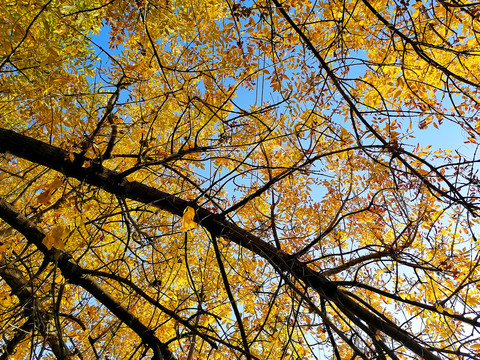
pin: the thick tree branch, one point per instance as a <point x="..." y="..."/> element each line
<point x="152" y="301"/>
<point x="97" y="175"/>
<point x="74" y="273"/>
<point x="37" y="317"/>
<point x="19" y="336"/>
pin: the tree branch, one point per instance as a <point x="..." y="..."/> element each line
<point x="37" y="317"/>
<point x="74" y="273"/>
<point x="97" y="175"/>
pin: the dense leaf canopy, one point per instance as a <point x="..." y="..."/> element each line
<point x="210" y="179"/>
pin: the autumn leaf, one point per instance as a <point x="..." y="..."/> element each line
<point x="3" y="248"/>
<point x="45" y="196"/>
<point x="161" y="154"/>
<point x="187" y="219"/>
<point x="477" y="126"/>
<point x="56" y="237"/>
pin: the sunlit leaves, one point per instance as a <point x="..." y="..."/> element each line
<point x="224" y="106"/>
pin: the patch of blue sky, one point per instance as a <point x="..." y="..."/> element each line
<point x="258" y="93"/>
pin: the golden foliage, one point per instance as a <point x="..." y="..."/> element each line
<point x="325" y="153"/>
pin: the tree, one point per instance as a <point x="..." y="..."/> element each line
<point x="222" y="180"/>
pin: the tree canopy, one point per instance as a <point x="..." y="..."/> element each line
<point x="218" y="179"/>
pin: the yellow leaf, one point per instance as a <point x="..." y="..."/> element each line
<point x="69" y="155"/>
<point x="397" y="93"/>
<point x="3" y="249"/>
<point x="188" y="222"/>
<point x="477" y="126"/>
<point x="60" y="31"/>
<point x="439" y="308"/>
<point x="45" y="195"/>
<point x="59" y="279"/>
<point x="400" y="82"/>
<point x="6" y="300"/>
<point x="344" y="134"/>
<point x="56" y="237"/>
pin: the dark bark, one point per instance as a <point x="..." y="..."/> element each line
<point x="36" y="315"/>
<point x="74" y="273"/>
<point x="110" y="181"/>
